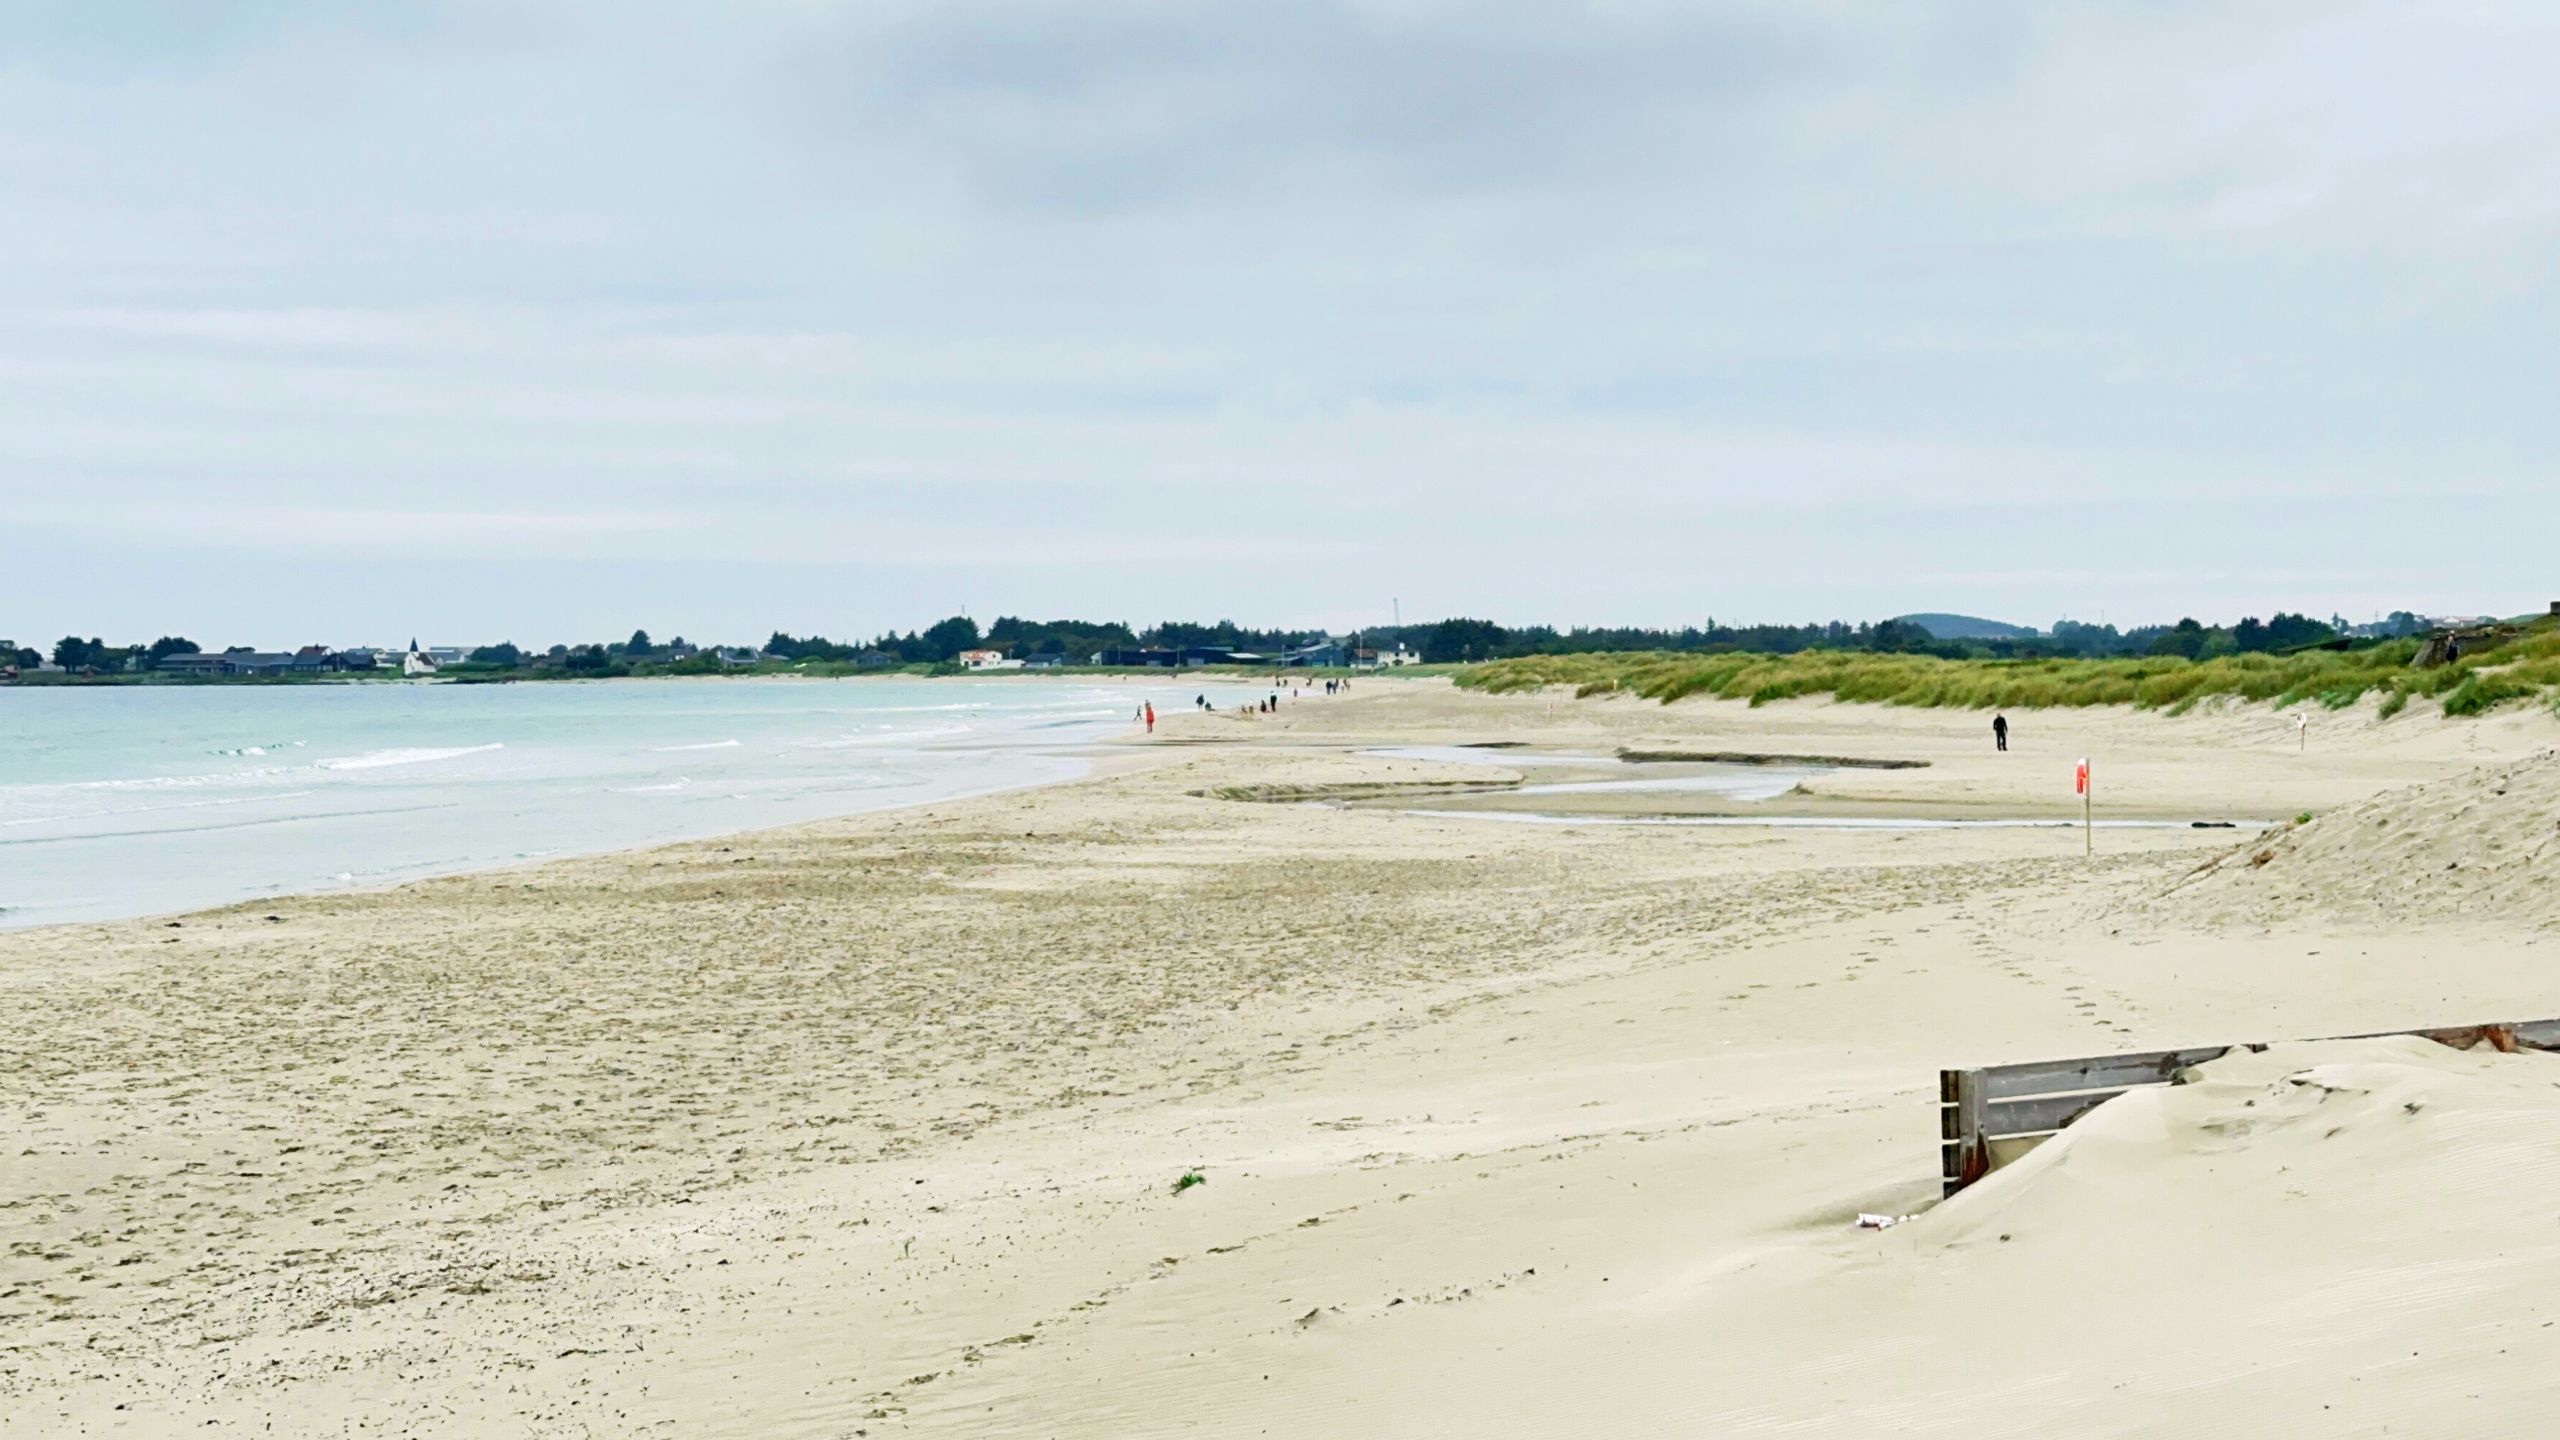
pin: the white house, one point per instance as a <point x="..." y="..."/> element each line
<point x="1385" y="659"/>
<point x="988" y="660"/>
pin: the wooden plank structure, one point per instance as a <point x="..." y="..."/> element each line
<point x="1991" y="1115"/>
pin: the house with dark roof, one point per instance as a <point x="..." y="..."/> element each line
<point x="1327" y="653"/>
<point x="1148" y="657"/>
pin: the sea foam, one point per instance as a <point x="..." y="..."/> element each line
<point x="409" y="755"/>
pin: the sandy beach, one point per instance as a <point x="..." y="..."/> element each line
<point x="874" y="1126"/>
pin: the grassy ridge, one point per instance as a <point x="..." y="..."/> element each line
<point x="2525" y="668"/>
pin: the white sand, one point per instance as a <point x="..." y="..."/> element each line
<point x="2484" y="844"/>
<point x="872" y="1126"/>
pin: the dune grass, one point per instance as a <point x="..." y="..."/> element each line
<point x="2525" y="668"/>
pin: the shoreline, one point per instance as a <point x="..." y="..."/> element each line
<point x="347" y="833"/>
<point x="1090" y="764"/>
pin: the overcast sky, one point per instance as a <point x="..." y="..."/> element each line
<point x="339" y="322"/>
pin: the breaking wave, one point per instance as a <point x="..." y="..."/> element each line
<point x="407" y="755"/>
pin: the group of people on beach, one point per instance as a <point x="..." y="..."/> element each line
<point x="1267" y="705"/>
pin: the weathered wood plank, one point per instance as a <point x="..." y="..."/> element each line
<point x="2045" y="1077"/>
<point x="2038" y="1113"/>
<point x="2538" y="1035"/>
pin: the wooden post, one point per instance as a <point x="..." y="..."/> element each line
<point x="2088" y="812"/>
<point x="1964" y="1153"/>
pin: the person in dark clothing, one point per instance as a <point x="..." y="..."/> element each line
<point x="2000" y="731"/>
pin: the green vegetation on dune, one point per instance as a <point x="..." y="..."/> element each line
<point x="2527" y="667"/>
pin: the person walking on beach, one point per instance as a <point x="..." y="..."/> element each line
<point x="1149" y="710"/>
<point x="2000" y="731"/>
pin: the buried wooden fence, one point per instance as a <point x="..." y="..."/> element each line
<point x="1991" y="1115"/>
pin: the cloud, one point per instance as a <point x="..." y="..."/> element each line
<point x="1136" y="106"/>
<point x="1619" y="310"/>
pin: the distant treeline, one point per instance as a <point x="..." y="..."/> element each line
<point x="1454" y="641"/>
<point x="73" y="653"/>
<point x="943" y="641"/>
<point x="1460" y="641"/>
<point x="1073" y="641"/>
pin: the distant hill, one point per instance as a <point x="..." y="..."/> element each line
<point x="1968" y="627"/>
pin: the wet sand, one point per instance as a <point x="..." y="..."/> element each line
<point x="874" y="1126"/>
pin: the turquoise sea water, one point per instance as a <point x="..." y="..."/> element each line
<point x="131" y="801"/>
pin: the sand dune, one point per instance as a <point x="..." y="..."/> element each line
<point x="2483" y="846"/>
